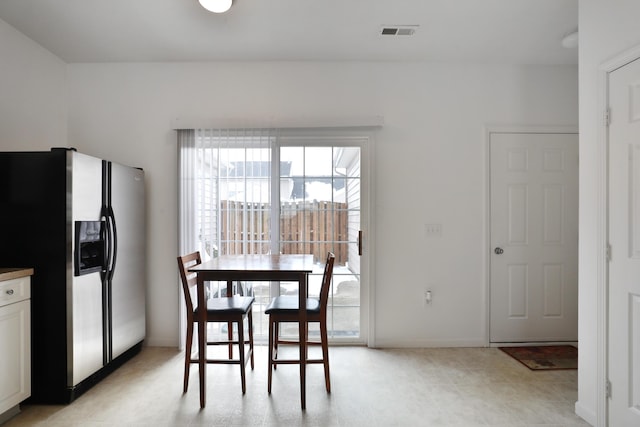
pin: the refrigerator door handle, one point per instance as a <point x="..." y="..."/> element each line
<point x="112" y="243"/>
<point x="107" y="243"/>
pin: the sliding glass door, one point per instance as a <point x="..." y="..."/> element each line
<point x="320" y="212"/>
<point x="287" y="192"/>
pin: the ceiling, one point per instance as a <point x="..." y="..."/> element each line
<point x="487" y="31"/>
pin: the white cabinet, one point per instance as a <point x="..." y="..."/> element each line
<point x="15" y="340"/>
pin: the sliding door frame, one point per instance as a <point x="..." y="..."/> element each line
<point x="363" y="139"/>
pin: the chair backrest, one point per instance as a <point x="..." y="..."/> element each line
<point x="326" y="282"/>
<point x="189" y="280"/>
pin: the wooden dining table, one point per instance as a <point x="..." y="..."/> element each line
<point x="258" y="268"/>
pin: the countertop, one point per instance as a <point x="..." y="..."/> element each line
<point x="14" y="273"/>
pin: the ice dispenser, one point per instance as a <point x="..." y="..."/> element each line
<point x="89" y="255"/>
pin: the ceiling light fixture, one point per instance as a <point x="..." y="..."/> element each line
<point x="216" y="6"/>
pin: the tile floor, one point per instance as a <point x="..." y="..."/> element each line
<point x="406" y="387"/>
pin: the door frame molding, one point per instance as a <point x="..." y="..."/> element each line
<point x="602" y="238"/>
<point x="489" y="130"/>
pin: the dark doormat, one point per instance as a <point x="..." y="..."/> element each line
<point x="545" y="357"/>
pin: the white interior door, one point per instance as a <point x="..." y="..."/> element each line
<point x="624" y="238"/>
<point x="534" y="237"/>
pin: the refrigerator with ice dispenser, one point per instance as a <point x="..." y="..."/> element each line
<point x="79" y="221"/>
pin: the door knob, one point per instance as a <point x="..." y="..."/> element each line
<point x="499" y="251"/>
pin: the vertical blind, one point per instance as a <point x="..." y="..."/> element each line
<point x="223" y="174"/>
<point x="225" y="190"/>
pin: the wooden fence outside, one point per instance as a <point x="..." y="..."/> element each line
<point x="305" y="228"/>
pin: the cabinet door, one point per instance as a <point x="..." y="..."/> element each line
<point x="15" y="354"/>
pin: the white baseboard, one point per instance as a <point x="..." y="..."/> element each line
<point x="586" y="414"/>
<point x="393" y="343"/>
<point x="153" y="342"/>
<point x="9" y="413"/>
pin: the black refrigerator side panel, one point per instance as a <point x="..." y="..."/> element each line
<point x="33" y="234"/>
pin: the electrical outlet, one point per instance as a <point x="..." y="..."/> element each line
<point x="428" y="296"/>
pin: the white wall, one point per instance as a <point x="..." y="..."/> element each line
<point x="430" y="160"/>
<point x="430" y="163"/>
<point x="606" y="30"/>
<point x="33" y="88"/>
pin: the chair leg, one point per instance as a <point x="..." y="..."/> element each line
<point x="306" y="355"/>
<point x="276" y="333"/>
<point x="187" y="356"/>
<point x="230" y="336"/>
<point x="325" y="354"/>
<point x="250" y="324"/>
<point x="230" y="324"/>
<point x="271" y="348"/>
<point x="241" y="355"/>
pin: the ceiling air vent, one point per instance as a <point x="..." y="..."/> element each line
<point x="398" y="30"/>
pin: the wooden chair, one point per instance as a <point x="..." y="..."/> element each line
<point x="285" y="309"/>
<point x="230" y="309"/>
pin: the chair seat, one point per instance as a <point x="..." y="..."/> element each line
<point x="288" y="304"/>
<point x="234" y="304"/>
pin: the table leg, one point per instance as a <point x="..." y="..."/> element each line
<point x="302" y="304"/>
<point x="202" y="342"/>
